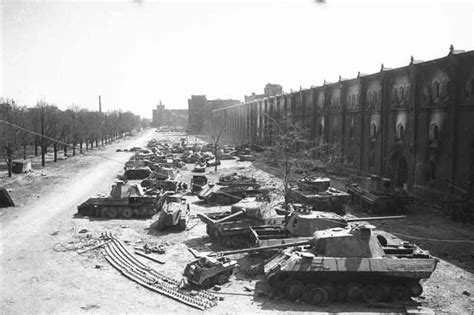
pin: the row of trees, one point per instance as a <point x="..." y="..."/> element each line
<point x="45" y="126"/>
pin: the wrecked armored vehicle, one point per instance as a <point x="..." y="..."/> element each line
<point x="347" y="264"/>
<point x="198" y="183"/>
<point x="136" y="173"/>
<point x="316" y="192"/>
<point x="209" y="271"/>
<point x="174" y="212"/>
<point x="125" y="201"/>
<point x="378" y="195"/>
<point x="239" y="180"/>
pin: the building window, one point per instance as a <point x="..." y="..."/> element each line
<point x="436" y="90"/>
<point x="351" y="130"/>
<point x="434" y="132"/>
<point x="373" y="132"/>
<point x="400" y="131"/>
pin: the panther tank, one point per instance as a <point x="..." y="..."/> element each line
<point x="316" y="192"/>
<point x="377" y="195"/>
<point x="347" y="264"/>
<point x="125" y="201"/>
<point x="174" y="212"/>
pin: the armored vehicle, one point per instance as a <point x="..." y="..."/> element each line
<point x="232" y="229"/>
<point x="136" y="173"/>
<point x="174" y="212"/>
<point x="225" y="195"/>
<point x="377" y="194"/>
<point x="238" y="180"/>
<point x="316" y="192"/>
<point x="125" y="201"/>
<point x="208" y="271"/>
<point x="301" y="225"/>
<point x="198" y="183"/>
<point x="347" y="264"/>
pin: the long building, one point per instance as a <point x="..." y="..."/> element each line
<point x="414" y="124"/>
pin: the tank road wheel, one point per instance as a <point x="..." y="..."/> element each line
<point x="238" y="242"/>
<point x="385" y="291"/>
<point x="207" y="283"/>
<point x="318" y="296"/>
<point x="330" y="289"/>
<point x="210" y="230"/>
<point x="111" y="212"/>
<point x="294" y="289"/>
<point x="222" y="278"/>
<point x="354" y="292"/>
<point x="278" y="281"/>
<point x="415" y="288"/>
<point x="371" y="294"/>
<point x="127" y="213"/>
<point x="212" y="199"/>
<point x="400" y="293"/>
<point x="149" y="212"/>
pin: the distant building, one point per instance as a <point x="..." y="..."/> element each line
<point x="169" y="117"/>
<point x="269" y="90"/>
<point x="200" y="111"/>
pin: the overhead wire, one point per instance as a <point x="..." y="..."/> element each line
<point x="55" y="140"/>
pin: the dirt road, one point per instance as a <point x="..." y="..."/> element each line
<point x="33" y="278"/>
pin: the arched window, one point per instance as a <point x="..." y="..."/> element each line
<point x="436" y="90"/>
<point x="400" y="131"/>
<point x="373" y="131"/>
<point x="357" y="99"/>
<point x="445" y="89"/>
<point x="351" y="130"/>
<point x="401" y="93"/>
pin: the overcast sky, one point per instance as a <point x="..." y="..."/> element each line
<point x="136" y="53"/>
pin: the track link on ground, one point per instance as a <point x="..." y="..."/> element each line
<point x="125" y="262"/>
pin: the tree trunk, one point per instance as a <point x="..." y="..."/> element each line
<point x="65" y="151"/>
<point x="9" y="162"/>
<point x="74" y="149"/>
<point x="55" y="150"/>
<point x="43" y="153"/>
<point x="87" y="145"/>
<point x="24" y="152"/>
<point x="215" y="156"/>
<point x="36" y="148"/>
<point x="80" y="147"/>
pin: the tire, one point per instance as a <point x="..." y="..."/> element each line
<point x="354" y="292"/>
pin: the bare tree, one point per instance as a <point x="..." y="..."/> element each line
<point x="291" y="148"/>
<point x="216" y="131"/>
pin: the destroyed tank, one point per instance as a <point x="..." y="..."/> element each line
<point x="377" y="195"/>
<point x="302" y="225"/>
<point x="238" y="180"/>
<point x="347" y="264"/>
<point x="125" y="201"/>
<point x="209" y="271"/>
<point x="232" y="229"/>
<point x="174" y="212"/>
<point x="316" y="192"/>
<point x="225" y="195"/>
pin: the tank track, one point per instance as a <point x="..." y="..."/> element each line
<point x="325" y="292"/>
<point x="122" y="260"/>
<point x="117" y="212"/>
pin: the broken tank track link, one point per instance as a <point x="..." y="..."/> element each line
<point x="122" y="260"/>
<point x="325" y="292"/>
<point x="116" y="212"/>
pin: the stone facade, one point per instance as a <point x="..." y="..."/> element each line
<point x="169" y="117"/>
<point x="414" y="124"/>
<point x="200" y="111"/>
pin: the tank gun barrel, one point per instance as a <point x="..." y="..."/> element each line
<point x="263" y="248"/>
<point x="233" y="215"/>
<point x="392" y="217"/>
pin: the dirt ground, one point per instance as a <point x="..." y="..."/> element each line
<point x="42" y="272"/>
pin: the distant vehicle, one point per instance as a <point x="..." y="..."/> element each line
<point x="208" y="271"/>
<point x="174" y="212"/>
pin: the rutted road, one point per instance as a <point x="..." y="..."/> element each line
<point x="26" y="241"/>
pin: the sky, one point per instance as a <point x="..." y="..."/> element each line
<point x="137" y="53"/>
